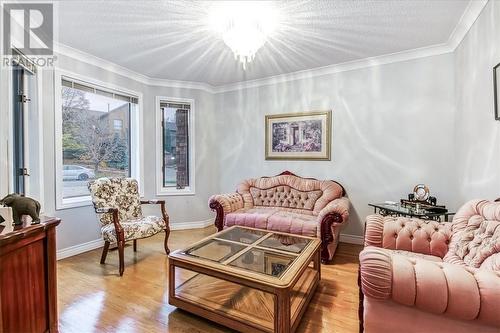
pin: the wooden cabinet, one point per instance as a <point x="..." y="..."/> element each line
<point x="28" y="289"/>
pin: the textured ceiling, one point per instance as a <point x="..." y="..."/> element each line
<point x="171" y="40"/>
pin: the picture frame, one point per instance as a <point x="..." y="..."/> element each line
<point x="496" y="88"/>
<point x="299" y="136"/>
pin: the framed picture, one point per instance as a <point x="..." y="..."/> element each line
<point x="299" y="136"/>
<point x="496" y="87"/>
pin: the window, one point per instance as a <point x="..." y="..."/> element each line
<point x="117" y="125"/>
<point x="175" y="156"/>
<point x="97" y="140"/>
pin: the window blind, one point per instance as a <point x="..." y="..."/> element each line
<point x="174" y="105"/>
<point x="83" y="86"/>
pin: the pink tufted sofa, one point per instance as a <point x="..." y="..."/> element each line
<point x="426" y="276"/>
<point x="286" y="203"/>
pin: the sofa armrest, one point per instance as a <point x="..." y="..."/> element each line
<point x="408" y="234"/>
<point x="223" y="204"/>
<point x="339" y="207"/>
<point x="230" y="202"/>
<point x="435" y="287"/>
<point x="332" y="216"/>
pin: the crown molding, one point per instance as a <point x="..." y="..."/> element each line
<point x="90" y="59"/>
<point x="470" y="15"/>
<point x="338" y="68"/>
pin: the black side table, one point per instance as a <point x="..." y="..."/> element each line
<point x="399" y="210"/>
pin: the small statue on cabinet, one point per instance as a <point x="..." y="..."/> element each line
<point x="22" y="206"/>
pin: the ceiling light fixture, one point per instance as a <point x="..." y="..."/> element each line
<point x="244" y="26"/>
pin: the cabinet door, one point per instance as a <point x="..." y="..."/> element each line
<point x="23" y="288"/>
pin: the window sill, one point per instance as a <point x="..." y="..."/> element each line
<point x="173" y="192"/>
<point x="74" y="202"/>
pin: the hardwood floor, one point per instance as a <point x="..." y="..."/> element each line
<point x="93" y="298"/>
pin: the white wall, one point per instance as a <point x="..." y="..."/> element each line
<point x="392" y="129"/>
<point x="477" y="139"/>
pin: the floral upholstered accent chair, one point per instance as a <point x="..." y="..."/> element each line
<point x="118" y="206"/>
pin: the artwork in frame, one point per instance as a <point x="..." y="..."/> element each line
<point x="496" y="87"/>
<point x="299" y="136"/>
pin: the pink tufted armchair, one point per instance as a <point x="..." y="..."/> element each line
<point x="426" y="276"/>
<point x="287" y="203"/>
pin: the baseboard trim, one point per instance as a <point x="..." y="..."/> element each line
<point x="191" y="225"/>
<point x="351" y="239"/>
<point x="97" y="243"/>
<point x="79" y="248"/>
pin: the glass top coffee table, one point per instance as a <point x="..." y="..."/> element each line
<point x="248" y="279"/>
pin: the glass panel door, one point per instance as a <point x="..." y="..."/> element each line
<point x="19" y="99"/>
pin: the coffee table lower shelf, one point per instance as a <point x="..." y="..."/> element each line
<point x="240" y="307"/>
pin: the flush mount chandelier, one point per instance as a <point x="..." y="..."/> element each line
<point x="244" y="26"/>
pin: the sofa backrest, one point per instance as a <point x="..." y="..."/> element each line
<point x="291" y="192"/>
<point x="476" y="235"/>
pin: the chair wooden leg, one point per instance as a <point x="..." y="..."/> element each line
<point x="121" y="249"/>
<point x="165" y="243"/>
<point x="104" y="252"/>
<point x="135" y="245"/>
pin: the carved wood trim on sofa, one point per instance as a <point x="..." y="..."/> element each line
<point x="219" y="219"/>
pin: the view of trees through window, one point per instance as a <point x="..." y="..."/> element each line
<point x="175" y="121"/>
<point x="94" y="145"/>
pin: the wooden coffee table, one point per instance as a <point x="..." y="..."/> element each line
<point x="248" y="279"/>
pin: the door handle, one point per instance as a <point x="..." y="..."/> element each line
<point x="23" y="172"/>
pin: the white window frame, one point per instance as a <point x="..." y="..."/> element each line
<point x="171" y="191"/>
<point x="136" y="137"/>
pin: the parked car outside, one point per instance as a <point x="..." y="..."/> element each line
<point x="77" y="172"/>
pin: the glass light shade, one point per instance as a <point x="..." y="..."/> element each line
<point x="244" y="26"/>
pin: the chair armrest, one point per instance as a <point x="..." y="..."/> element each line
<point x="439" y="288"/>
<point x="164" y="214"/>
<point x="152" y="202"/>
<point x="339" y="208"/>
<point x="105" y="210"/>
<point x="116" y="219"/>
<point x="408" y="234"/>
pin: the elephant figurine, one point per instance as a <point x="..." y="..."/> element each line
<point x="22" y="206"/>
